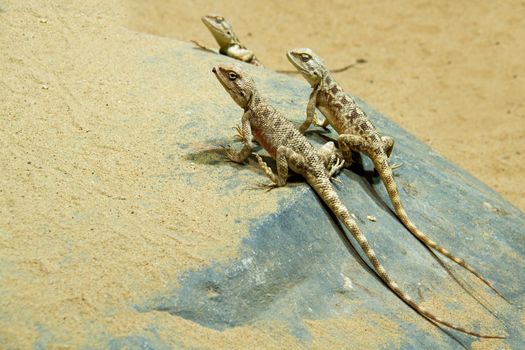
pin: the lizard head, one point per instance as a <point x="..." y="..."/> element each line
<point x="220" y="29"/>
<point x="239" y="85"/>
<point x="308" y="64"/>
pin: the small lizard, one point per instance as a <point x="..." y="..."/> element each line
<point x="291" y="150"/>
<point x="229" y="44"/>
<point x="357" y="133"/>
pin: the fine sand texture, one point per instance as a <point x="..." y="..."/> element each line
<point x="113" y="184"/>
<point x="452" y="73"/>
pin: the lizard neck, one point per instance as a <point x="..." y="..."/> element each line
<point x="255" y="100"/>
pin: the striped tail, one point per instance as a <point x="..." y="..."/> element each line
<point x="329" y="196"/>
<point x="385" y="172"/>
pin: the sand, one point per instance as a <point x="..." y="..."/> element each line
<point x="87" y="225"/>
<point x="451" y="73"/>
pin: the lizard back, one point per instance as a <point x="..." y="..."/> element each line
<point x="342" y="111"/>
<point x="273" y="130"/>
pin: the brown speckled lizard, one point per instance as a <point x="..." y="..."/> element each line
<point x="229" y="44"/>
<point x="291" y="150"/>
<point x="357" y="133"/>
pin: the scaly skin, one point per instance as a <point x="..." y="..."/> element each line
<point x="357" y="133"/>
<point x="291" y="150"/>
<point x="229" y="44"/>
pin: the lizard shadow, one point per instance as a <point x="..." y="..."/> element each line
<point x="216" y="156"/>
<point x="368" y="178"/>
<point x="350" y="247"/>
<point x="371" y="179"/>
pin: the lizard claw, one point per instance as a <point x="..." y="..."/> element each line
<point x="336" y="181"/>
<point x="239" y="137"/>
<point x="267" y="186"/>
<point x="335" y="168"/>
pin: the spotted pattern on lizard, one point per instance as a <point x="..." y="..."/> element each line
<point x="229" y="44"/>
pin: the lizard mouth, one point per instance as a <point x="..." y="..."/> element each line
<point x="295" y="64"/>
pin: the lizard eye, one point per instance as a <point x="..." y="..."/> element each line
<point x="305" y="57"/>
<point x="232" y="76"/>
<point x="219" y="18"/>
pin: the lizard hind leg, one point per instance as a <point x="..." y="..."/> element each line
<point x="333" y="162"/>
<point x="283" y="157"/>
<point x="348" y="143"/>
<point x="388" y="144"/>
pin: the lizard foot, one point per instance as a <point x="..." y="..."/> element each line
<point x="239" y="137"/>
<point x="336" y="181"/>
<point x="231" y="154"/>
<point x="267" y="186"/>
<point x="276" y="180"/>
<point x="335" y="168"/>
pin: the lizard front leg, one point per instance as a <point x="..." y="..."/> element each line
<point x="245" y="135"/>
<point x="239" y="53"/>
<point x="202" y="47"/>
<point x="284" y="156"/>
<point x="310" y="112"/>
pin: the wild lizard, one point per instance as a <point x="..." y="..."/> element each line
<point x="357" y="133"/>
<point x="229" y="44"/>
<point x="291" y="150"/>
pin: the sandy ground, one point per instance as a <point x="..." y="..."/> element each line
<point x="452" y="73"/>
<point x="87" y="217"/>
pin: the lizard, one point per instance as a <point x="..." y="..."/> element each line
<point x="229" y="44"/>
<point x="291" y="150"/>
<point x="357" y="133"/>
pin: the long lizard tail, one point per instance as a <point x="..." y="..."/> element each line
<point x="385" y="172"/>
<point x="330" y="197"/>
